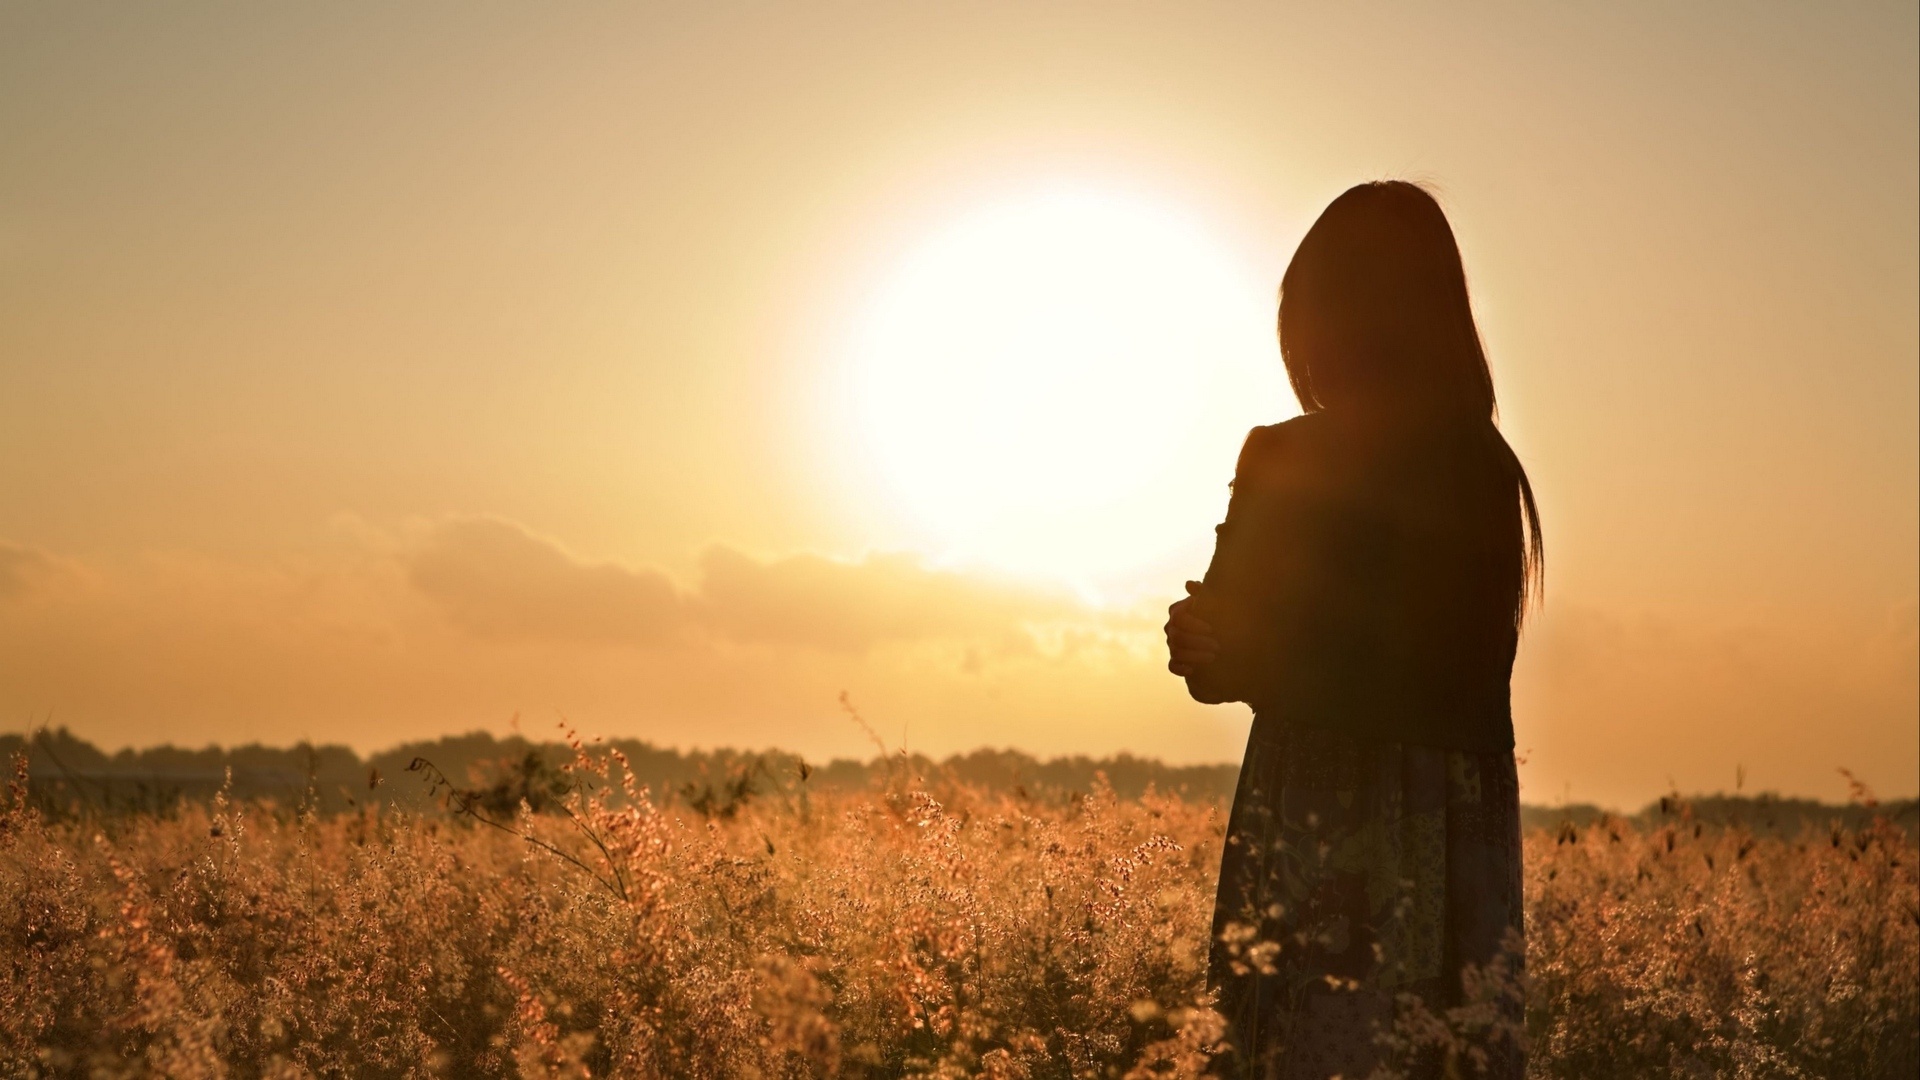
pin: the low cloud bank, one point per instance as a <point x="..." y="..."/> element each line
<point x="24" y="570"/>
<point x="498" y="579"/>
<point x="463" y="622"/>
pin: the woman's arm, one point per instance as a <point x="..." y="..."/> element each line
<point x="1227" y="624"/>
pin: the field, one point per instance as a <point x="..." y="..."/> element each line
<point x="919" y="924"/>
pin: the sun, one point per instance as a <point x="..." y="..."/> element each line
<point x="1056" y="384"/>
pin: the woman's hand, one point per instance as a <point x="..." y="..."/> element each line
<point x="1190" y="641"/>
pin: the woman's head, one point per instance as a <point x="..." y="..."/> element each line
<point x="1374" y="311"/>
<point x="1375" y="321"/>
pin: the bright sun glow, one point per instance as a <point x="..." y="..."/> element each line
<point x="1057" y="385"/>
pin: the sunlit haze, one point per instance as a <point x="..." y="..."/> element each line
<point x="371" y="372"/>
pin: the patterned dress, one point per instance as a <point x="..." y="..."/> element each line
<point x="1359" y="877"/>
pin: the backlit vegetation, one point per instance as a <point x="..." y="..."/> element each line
<point x="918" y="926"/>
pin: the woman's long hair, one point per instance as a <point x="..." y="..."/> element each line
<point x="1374" y="318"/>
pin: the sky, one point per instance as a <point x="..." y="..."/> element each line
<point x="370" y="372"/>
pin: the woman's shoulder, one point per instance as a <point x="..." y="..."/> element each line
<point x="1274" y="452"/>
<point x="1297" y="432"/>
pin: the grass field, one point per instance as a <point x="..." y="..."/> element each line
<point x="918" y="926"/>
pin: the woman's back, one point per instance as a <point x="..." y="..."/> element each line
<point x="1375" y="569"/>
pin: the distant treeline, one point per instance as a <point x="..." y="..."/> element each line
<point x="69" y="775"/>
<point x="65" y="767"/>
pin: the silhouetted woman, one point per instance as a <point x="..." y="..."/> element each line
<point x="1365" y="597"/>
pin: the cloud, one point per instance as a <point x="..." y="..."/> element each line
<point x="499" y="580"/>
<point x="470" y="620"/>
<point x="467" y="622"/>
<point x="25" y="569"/>
<point x="827" y="604"/>
<point x="496" y="579"/>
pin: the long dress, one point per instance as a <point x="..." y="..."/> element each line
<point x="1355" y="871"/>
<point x="1372" y="858"/>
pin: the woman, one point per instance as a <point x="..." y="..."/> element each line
<point x="1365" y="597"/>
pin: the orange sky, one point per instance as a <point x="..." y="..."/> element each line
<point x="367" y="374"/>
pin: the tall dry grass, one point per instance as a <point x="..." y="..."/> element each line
<point x="1686" y="950"/>
<point x="923" y="928"/>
